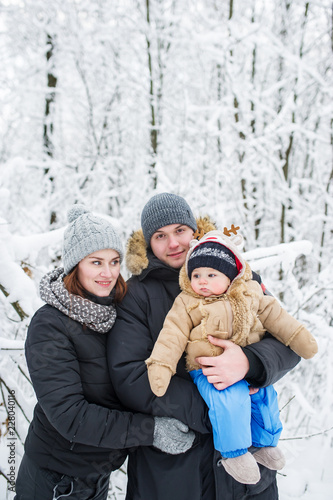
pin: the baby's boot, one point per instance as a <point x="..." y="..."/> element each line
<point x="243" y="468"/>
<point x="271" y="457"/>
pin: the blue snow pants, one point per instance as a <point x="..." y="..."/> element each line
<point x="238" y="419"/>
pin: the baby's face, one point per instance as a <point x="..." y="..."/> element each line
<point x="206" y="281"/>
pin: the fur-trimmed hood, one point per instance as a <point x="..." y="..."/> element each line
<point x="136" y="249"/>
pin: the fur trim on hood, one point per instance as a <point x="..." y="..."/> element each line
<point x="136" y="249"/>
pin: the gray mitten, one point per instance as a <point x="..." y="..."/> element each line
<point x="172" y="436"/>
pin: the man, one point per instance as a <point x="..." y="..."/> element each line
<point x="155" y="257"/>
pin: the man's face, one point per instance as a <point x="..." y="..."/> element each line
<point x="170" y="244"/>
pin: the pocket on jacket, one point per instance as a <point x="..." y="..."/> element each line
<point x="59" y="483"/>
<point x="51" y="475"/>
<point x="268" y="479"/>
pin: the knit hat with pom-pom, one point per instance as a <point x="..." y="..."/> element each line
<point x="217" y="251"/>
<point x="85" y="234"/>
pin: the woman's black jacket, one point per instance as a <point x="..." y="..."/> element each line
<point x="79" y="425"/>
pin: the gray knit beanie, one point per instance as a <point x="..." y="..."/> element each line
<point x="164" y="209"/>
<point x="85" y="234"/>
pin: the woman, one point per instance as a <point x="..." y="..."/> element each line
<point x="80" y="431"/>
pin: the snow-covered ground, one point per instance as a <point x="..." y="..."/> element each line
<point x="308" y="473"/>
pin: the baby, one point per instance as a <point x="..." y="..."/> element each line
<point x="220" y="298"/>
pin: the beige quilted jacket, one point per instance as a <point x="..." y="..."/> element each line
<point x="241" y="315"/>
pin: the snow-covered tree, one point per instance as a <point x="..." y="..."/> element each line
<point x="226" y="103"/>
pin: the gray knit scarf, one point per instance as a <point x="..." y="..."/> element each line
<point x="99" y="318"/>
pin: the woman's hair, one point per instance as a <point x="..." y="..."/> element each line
<point x="73" y="285"/>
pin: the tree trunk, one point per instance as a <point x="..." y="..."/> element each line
<point x="49" y="99"/>
<point x="153" y="127"/>
<point x="18" y="309"/>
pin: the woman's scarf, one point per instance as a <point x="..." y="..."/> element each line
<point x="98" y="317"/>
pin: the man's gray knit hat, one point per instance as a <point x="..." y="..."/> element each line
<point x="85" y="234"/>
<point x="164" y="209"/>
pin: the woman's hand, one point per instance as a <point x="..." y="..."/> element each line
<point x="227" y="368"/>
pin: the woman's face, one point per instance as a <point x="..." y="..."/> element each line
<point x="99" y="271"/>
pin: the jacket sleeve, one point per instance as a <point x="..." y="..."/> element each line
<point x="276" y="359"/>
<point x="270" y="359"/>
<point x="130" y="343"/>
<point x="286" y="328"/>
<point x="173" y="337"/>
<point x="55" y="375"/>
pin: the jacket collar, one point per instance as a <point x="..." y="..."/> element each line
<point x="157" y="269"/>
<point x="139" y="258"/>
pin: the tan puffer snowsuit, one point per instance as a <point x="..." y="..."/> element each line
<point x="241" y="315"/>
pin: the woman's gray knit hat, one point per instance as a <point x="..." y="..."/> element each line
<point x="164" y="209"/>
<point x="85" y="234"/>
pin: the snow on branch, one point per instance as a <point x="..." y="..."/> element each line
<point x="284" y="254"/>
<point x="16" y="284"/>
<point x="11" y="345"/>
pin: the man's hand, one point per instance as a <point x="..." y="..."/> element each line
<point x="228" y="368"/>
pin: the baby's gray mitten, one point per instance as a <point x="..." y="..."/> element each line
<point x="172" y="436"/>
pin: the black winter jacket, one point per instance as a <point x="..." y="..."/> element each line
<point x="194" y="475"/>
<point x="79" y="425"/>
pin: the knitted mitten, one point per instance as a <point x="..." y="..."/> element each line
<point x="172" y="436"/>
